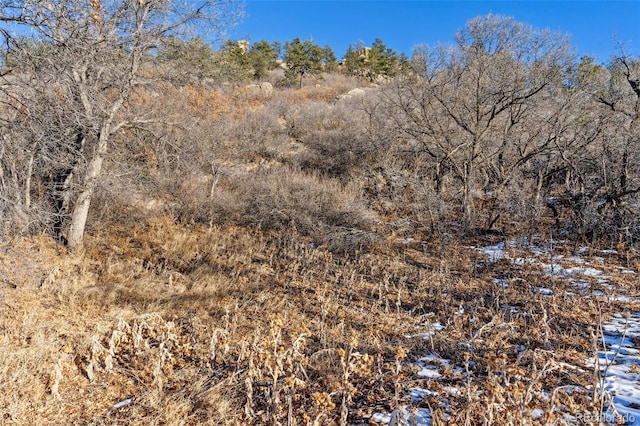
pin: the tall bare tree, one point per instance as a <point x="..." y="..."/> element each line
<point x="70" y="81"/>
<point x="467" y="103"/>
<point x="621" y="98"/>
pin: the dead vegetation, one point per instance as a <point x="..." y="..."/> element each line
<point x="312" y="259"/>
<point x="162" y="323"/>
<point x="285" y="278"/>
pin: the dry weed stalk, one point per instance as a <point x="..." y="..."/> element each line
<point x="351" y="363"/>
<point x="225" y="323"/>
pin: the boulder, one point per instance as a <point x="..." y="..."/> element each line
<point x="263" y="90"/>
<point x="357" y="92"/>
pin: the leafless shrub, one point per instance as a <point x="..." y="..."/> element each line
<point x="288" y="198"/>
<point x="341" y="82"/>
<point x="279" y="199"/>
<point x="334" y="152"/>
<point x="258" y="136"/>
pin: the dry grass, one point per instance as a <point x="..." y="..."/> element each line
<point x="209" y="325"/>
<point x="223" y="285"/>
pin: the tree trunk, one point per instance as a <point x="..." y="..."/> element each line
<point x="83" y="202"/>
<point x="467" y="197"/>
<point x="624" y="171"/>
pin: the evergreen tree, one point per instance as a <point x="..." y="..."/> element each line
<point x="355" y="60"/>
<point x="330" y="60"/>
<point x="404" y="62"/>
<point x="263" y="58"/>
<point x="303" y="58"/>
<point x="187" y="59"/>
<point x="279" y="48"/>
<point x="378" y="60"/>
<point x="233" y="62"/>
<point x="383" y="61"/>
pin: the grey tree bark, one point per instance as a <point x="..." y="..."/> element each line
<point x="71" y="79"/>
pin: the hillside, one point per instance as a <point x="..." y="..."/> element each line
<point x="262" y="294"/>
<point x="455" y="242"/>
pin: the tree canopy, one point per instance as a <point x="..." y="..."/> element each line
<point x="373" y="63"/>
<point x="303" y="58"/>
<point x="72" y="84"/>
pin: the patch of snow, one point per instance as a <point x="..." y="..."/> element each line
<point x="434" y="359"/>
<point x="436" y="326"/>
<point x="495" y="253"/>
<point x="619" y="365"/>
<point x="429" y="372"/>
<point x="404" y="416"/>
<point x="557" y="270"/>
<point x="383" y="418"/>
<point x="580" y="284"/>
<point x="416" y="416"/>
<point x="451" y="390"/>
<point x="619" y="359"/>
<point x="406" y="240"/>
<point x="501" y="282"/>
<point x="120" y="404"/>
<point x="509" y="308"/>
<point x="543" y="290"/>
<point x="621" y="298"/>
<point x="418" y="394"/>
<point x="409" y="240"/>
<point x="537" y="413"/>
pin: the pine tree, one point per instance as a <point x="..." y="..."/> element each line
<point x="263" y="58"/>
<point x="187" y="60"/>
<point x="302" y="58"/>
<point x="234" y="63"/>
<point x="355" y="60"/>
<point x="383" y="61"/>
<point x="330" y="59"/>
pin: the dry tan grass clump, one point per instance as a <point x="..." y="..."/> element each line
<point x="316" y="93"/>
<point x="161" y="323"/>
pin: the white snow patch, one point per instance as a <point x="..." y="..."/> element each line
<point x="619" y="365"/>
<point x="619" y="360"/>
<point x="543" y="290"/>
<point x="436" y="326"/>
<point x="537" y="413"/>
<point x="418" y="394"/>
<point x="429" y="372"/>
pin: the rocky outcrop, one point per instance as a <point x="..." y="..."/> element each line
<point x="357" y="92"/>
<point x="263" y="90"/>
<point x="353" y="93"/>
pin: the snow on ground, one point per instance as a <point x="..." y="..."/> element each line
<point x="619" y="363"/>
<point x="576" y="270"/>
<point x="410" y="414"/>
<point x="619" y="357"/>
<point x="404" y="416"/>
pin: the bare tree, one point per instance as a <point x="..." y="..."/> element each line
<point x="621" y="97"/>
<point x="610" y="198"/>
<point x="467" y="104"/>
<point x="72" y="79"/>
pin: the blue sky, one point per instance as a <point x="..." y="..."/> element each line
<point x="402" y="24"/>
